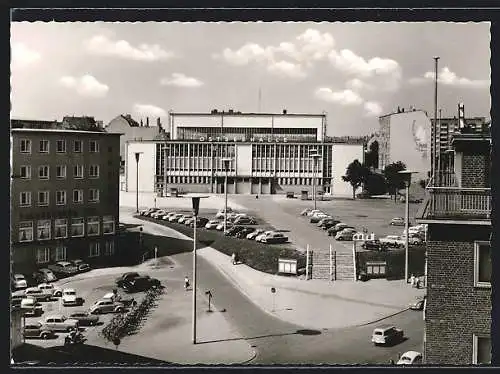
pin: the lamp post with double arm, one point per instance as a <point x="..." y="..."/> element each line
<point x="406" y="175"/>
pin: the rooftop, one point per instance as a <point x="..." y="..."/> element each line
<point x="28" y="130"/>
<point x="237" y="113"/>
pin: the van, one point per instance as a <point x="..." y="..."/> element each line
<point x="386" y="334"/>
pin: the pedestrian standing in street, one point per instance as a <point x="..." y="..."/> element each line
<point x="412" y="280"/>
<point x="186" y="283"/>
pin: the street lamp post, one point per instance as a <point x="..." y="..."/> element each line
<point x="226" y="162"/>
<point x="315" y="156"/>
<point x="196" y="207"/>
<point x="137" y="156"/>
<point x="406" y="174"/>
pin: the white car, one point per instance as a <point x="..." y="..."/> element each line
<point x="184" y="218"/>
<point x="220" y="226"/>
<point x="58" y="322"/>
<point x="410" y="358"/>
<point x="69" y="298"/>
<point x="212" y="224"/>
<point x="220" y="213"/>
<point x="19" y="282"/>
<point x="167" y="216"/>
<point x="158" y="214"/>
<point x="313" y="212"/>
<point x="259" y="237"/>
<point x="49" y="287"/>
<point x="393" y="241"/>
<point x="255" y="233"/>
<point x="175" y="217"/>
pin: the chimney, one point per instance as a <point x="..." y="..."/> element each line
<point x="147" y="121"/>
<point x="158" y="122"/>
<point x="284" y="111"/>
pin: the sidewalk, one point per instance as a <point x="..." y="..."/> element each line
<point x="317" y="304"/>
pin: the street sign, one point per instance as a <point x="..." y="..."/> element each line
<point x="273" y="290"/>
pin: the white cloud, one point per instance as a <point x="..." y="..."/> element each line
<point x="86" y="85"/>
<point x="101" y="45"/>
<point x="373" y="109"/>
<point x="249" y="52"/>
<point x="447" y="77"/>
<point x="23" y="56"/>
<point x="181" y="80"/>
<point x="316" y="45"/>
<point x="149" y="110"/>
<point x="345" y="97"/>
<point x="287" y="69"/>
<point x="358" y="85"/>
<point x="351" y="63"/>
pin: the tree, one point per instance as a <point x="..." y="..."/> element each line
<point x="395" y="181"/>
<point x="375" y="184"/>
<point x="356" y="175"/>
<point x="371" y="156"/>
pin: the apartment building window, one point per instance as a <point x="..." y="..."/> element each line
<point x="61" y="171"/>
<point x="93" y="226"/>
<point x="481" y="350"/>
<point x="43" y="172"/>
<point x="60" y="253"/>
<point x="60" y="197"/>
<point x="78" y="196"/>
<point x="94" y="249"/>
<point x="26" y="231"/>
<point x="25" y="172"/>
<point x="94" y="195"/>
<point x="93" y="146"/>
<point x="61" y="228"/>
<point x="44" y="146"/>
<point x="77" y="227"/>
<point x="77" y="146"/>
<point x="94" y="171"/>
<point x="109" y="248"/>
<point x="482" y="264"/>
<point x="42" y="255"/>
<point x="43" y="198"/>
<point x="25" y="146"/>
<point x="108" y="225"/>
<point x="25" y="199"/>
<point x="61" y="146"/>
<point x="43" y="229"/>
<point x="78" y="171"/>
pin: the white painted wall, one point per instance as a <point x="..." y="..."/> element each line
<point x="146" y="166"/>
<point x="243" y="159"/>
<point x="342" y="156"/>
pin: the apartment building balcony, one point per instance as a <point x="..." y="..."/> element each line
<point x="446" y="200"/>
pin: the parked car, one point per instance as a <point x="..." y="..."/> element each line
<point x="38" y="294"/>
<point x="393" y="241"/>
<point x="252" y="235"/>
<point x="212" y="224"/>
<point x="63" y="268"/>
<point x="345" y="234"/>
<point x="412" y="240"/>
<point x="59" y="322"/>
<point x="50" y="288"/>
<point x="175" y="217"/>
<point x="305" y="211"/>
<point x="139" y="284"/>
<point x="69" y="298"/>
<point x="125" y="277"/>
<point x="167" y="216"/>
<point x="387" y="334"/>
<point x="188" y="221"/>
<point x="374" y="245"/>
<point x="261" y="235"/>
<point x="37" y="330"/>
<point x="327" y="222"/>
<point x="312" y="212"/>
<point x="332" y="231"/>
<point x="418" y="304"/>
<point x="233" y="230"/>
<point x="274" y="237"/>
<point x="244" y="233"/>
<point x="44" y="276"/>
<point x="410" y="358"/>
<point x="85" y="318"/>
<point x="117" y="298"/>
<point x="200" y="222"/>
<point x="184" y="217"/>
<point x="242" y="220"/>
<point x="158" y="213"/>
<point x="315" y="218"/>
<point x="220" y="226"/>
<point x="19" y="282"/>
<point x="80" y="265"/>
<point x="397" y="221"/>
<point x="31" y="306"/>
<point x="147" y="212"/>
<point x="16" y="297"/>
<point x="220" y="213"/>
<point x="106" y="306"/>
<point x="412" y="199"/>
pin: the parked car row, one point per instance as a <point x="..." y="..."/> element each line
<point x="333" y="227"/>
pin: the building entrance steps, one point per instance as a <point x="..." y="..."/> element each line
<point x="337" y="266"/>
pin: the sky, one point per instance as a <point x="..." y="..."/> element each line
<point x="355" y="72"/>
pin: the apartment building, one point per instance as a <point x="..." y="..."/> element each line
<point x="458" y="214"/>
<point x="64" y="196"/>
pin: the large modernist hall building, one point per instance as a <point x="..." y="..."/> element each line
<point x="269" y="154"/>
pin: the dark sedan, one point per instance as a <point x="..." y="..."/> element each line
<point x="326" y="223"/>
<point x="85" y="318"/>
<point x="243" y="233"/>
<point x="374" y="245"/>
<point x="233" y="230"/>
<point x="200" y="222"/>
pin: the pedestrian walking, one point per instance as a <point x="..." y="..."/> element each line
<point x="186" y="283"/>
<point x="412" y="280"/>
<point x="233" y="258"/>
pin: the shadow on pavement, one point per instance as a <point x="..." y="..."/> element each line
<point x="303" y="332"/>
<point x="29" y="354"/>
